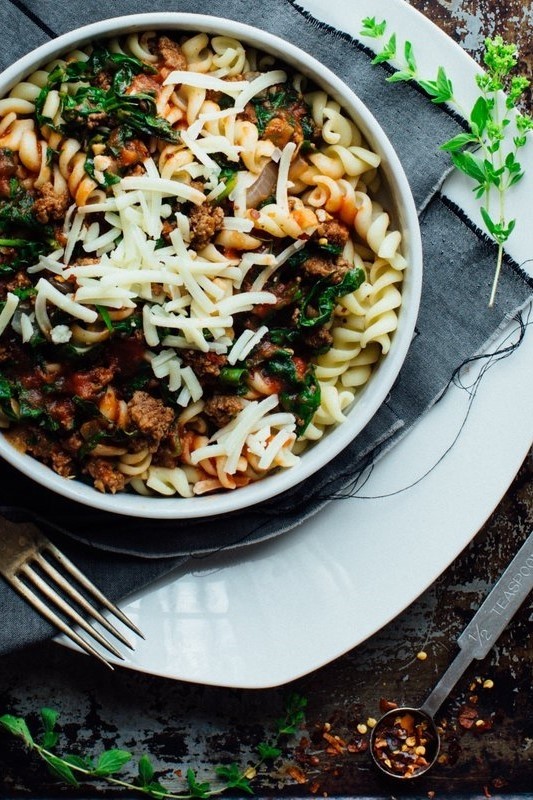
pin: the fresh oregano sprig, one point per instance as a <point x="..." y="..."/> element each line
<point x="488" y="152"/>
<point x="109" y="765"/>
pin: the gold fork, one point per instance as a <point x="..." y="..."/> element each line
<point x="47" y="578"/>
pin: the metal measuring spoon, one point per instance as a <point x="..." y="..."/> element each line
<point x="405" y="741"/>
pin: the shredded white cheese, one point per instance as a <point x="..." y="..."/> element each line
<point x="45" y="291"/>
<point x="230" y="440"/>
<point x="259" y="84"/>
<point x="202" y="81"/>
<point x="60" y="334"/>
<point x="245" y="344"/>
<point x="6" y="315"/>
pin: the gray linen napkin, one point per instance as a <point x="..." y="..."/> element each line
<point x="454" y="322"/>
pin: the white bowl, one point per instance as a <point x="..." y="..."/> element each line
<point x="400" y="205"/>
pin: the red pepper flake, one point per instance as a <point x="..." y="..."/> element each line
<point x="337" y="745"/>
<point x="386" y="705"/>
<point x="467" y="717"/>
<point x="358" y="744"/>
<point x="297" y="774"/>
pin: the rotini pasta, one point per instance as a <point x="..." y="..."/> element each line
<point x="197" y="279"/>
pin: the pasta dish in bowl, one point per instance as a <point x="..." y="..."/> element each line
<point x="210" y="265"/>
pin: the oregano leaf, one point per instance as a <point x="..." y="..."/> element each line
<point x="479" y="116"/>
<point x="196" y="788"/>
<point x="49" y="718"/>
<point x="18" y="727"/>
<point x="388" y="52"/>
<point x="458" y="142"/>
<point x="489" y="224"/>
<point x="60" y="769"/>
<point x="49" y="740"/>
<point x="516" y="178"/>
<point x="267" y="751"/>
<point x="155" y="789"/>
<point x="111" y="761"/>
<point x="400" y="75"/>
<point x="430" y="87"/>
<point x="234" y="778"/>
<point x="146" y="770"/>
<point x="410" y="56"/>
<point x="78" y="761"/>
<point x="373" y="29"/>
<point x="444" y="84"/>
<point x="470" y="165"/>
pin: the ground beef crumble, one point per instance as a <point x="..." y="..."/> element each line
<point x="150" y="416"/>
<point x="336" y="233"/>
<point x="206" y="366"/>
<point x="171" y="54"/>
<point x="222" y="408"/>
<point x="323" y="267"/>
<point x="106" y="476"/>
<point x="49" y="205"/>
<point x="34" y="441"/>
<point x="205" y="220"/>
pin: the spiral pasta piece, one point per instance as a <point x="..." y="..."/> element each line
<point x="135" y="465"/>
<point x="168" y="481"/>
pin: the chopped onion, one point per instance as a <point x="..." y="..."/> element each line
<point x="264" y="186"/>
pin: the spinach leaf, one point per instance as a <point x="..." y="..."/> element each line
<point x="323" y="296"/>
<point x="284" y="335"/>
<point x="139" y="381"/>
<point x="304" y="402"/>
<point x="116" y="107"/>
<point x="301" y="395"/>
<point x="18" y="210"/>
<point x="27" y="253"/>
<point x="16" y="405"/>
<point x="285" y="99"/>
<point x="110" y="178"/>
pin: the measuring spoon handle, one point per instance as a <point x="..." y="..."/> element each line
<point x="489" y="621"/>
<point x="501" y="604"/>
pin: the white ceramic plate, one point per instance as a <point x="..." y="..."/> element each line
<point x="274" y="612"/>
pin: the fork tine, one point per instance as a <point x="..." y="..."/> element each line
<point x="50" y="615"/>
<point x="80" y="599"/>
<point x="55" y="598"/>
<point x="90" y="587"/>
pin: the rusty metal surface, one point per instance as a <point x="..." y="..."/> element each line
<point x="469" y="22"/>
<point x="184" y="725"/>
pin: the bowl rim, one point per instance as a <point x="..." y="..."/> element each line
<point x="367" y="403"/>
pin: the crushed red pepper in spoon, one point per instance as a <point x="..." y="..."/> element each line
<point x="405" y="741"/>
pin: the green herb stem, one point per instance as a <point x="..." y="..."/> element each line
<point x="484" y="153"/>
<point x="111" y="762"/>
<point x="499" y="261"/>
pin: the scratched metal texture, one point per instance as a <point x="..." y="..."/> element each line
<point x="186" y="725"/>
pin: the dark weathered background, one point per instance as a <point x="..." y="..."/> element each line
<point x="185" y="725"/>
